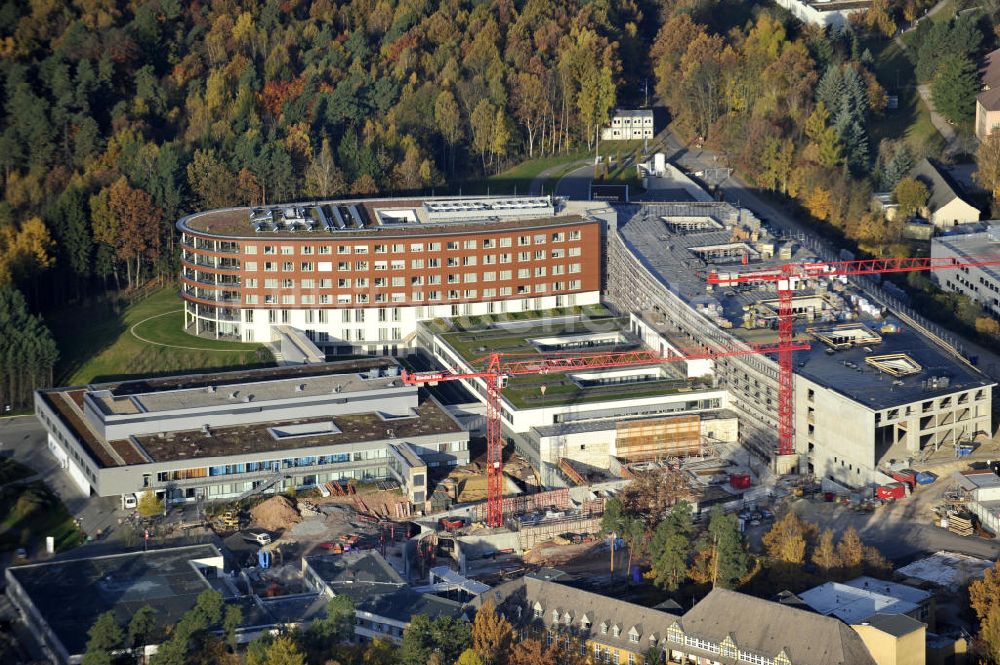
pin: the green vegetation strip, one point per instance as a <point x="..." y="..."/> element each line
<point x="109" y="342"/>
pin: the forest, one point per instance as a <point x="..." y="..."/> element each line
<point x="122" y="116"/>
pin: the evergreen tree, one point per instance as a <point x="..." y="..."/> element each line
<point x="955" y="87"/>
<point x="104" y="638"/>
<point x="731" y="559"/>
<point x="671" y="546"/>
<point x="141" y="627"/>
<point x="831" y="89"/>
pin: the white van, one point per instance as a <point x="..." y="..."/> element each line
<point x="129" y="502"/>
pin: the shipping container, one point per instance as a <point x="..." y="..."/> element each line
<point x="739" y="481"/>
<point x="892" y="491"/>
<point x="926" y="478"/>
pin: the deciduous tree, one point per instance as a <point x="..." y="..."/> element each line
<point x="491" y="635"/>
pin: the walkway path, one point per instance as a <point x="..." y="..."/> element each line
<point x="945" y="129"/>
<point x="173" y="346"/>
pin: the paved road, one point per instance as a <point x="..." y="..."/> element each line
<point x="24" y="439"/>
<point x="576" y="184"/>
<point x="539" y="180"/>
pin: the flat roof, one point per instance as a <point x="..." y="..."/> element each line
<point x="225" y="394"/>
<point x="855" y="604"/>
<point x="896" y="625"/>
<point x="848" y="372"/>
<point x="566" y="334"/>
<point x="70" y="594"/>
<point x="428" y="419"/>
<point x="946" y="568"/>
<point x="236" y="222"/>
<point x="375" y="586"/>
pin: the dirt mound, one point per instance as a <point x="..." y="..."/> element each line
<point x="275" y="514"/>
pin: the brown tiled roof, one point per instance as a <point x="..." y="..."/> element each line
<point x="990" y="99"/>
<point x="989" y="72"/>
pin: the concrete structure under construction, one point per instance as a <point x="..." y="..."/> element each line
<point x="868" y="391"/>
<point x="229" y="434"/>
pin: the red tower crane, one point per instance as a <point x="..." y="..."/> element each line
<point x="496" y="367"/>
<point x="785" y="275"/>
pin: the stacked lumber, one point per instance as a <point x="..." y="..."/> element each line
<point x="961" y="524"/>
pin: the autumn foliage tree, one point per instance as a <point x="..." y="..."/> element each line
<point x="492" y="635"/>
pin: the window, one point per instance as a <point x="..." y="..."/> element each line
<point x="505" y="242"/>
<point x="574" y="235"/>
<point x="434" y="247"/>
<point x="250" y="266"/>
<point x="574" y="251"/>
<point x="417" y="264"/>
<point x="251" y="283"/>
<point x="468" y="260"/>
<point x="523" y="241"/>
<point x="417" y="247"/>
<point x="616" y="631"/>
<point x="325" y="249"/>
<point x="270" y="249"/>
<point x="540" y="239"/>
<point x="452" y="245"/>
<point x="361" y="249"/>
<point x="343" y="249"/>
<point x="270" y="266"/>
<point x="306" y="266"/>
<point x="307" y="250"/>
<point x="538" y="612"/>
<point x="288" y="283"/>
<point x="287" y="266"/>
<point x="250" y="249"/>
<point x="381" y="249"/>
<point x="287" y="250"/>
<point x="469" y="244"/>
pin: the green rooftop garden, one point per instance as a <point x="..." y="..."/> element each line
<point x="473" y="338"/>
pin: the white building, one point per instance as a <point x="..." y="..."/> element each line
<point x="981" y="284"/>
<point x="824" y="12"/>
<point x="627" y="125"/>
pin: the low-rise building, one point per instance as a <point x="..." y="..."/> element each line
<point x="894" y="639"/>
<point x="988" y="101"/>
<point x="982" y="283"/>
<point x="383" y="602"/>
<point x="824" y="13"/>
<point x="945" y="208"/>
<point x="60" y="600"/>
<point x="223" y="435"/>
<point x="626" y="125"/>
<point x="725" y="627"/>
<point x="858" y="600"/>
<point x="636" y="412"/>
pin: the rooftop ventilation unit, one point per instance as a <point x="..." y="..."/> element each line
<point x="205" y="429"/>
<point x="299" y="388"/>
<point x="248" y="398"/>
<point x="234" y="394"/>
<point x="210" y="389"/>
<point x="337" y="388"/>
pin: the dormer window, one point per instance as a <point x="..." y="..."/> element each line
<point x="604" y="628"/>
<point x="616" y="631"/>
<point x="539" y="613"/>
<point x="585" y="623"/>
<point x="567" y="618"/>
<point x="555" y="616"/>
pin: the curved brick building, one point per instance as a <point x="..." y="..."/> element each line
<point x="356" y="276"/>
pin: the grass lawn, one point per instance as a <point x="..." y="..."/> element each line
<point x="911" y="121"/>
<point x="96" y="342"/>
<point x="518" y="178"/>
<point x="30" y="513"/>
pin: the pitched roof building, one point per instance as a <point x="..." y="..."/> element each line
<point x="725" y="627"/>
<point x="945" y="207"/>
<point x="988" y="101"/>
